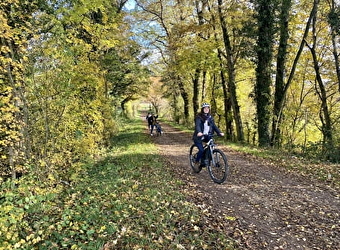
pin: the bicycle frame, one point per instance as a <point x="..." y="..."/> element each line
<point x="211" y="145"/>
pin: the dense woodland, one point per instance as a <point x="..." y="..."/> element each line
<point x="269" y="68"/>
<point x="69" y="69"/>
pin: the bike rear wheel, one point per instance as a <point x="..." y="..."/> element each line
<point x="192" y="159"/>
<point x="159" y="132"/>
<point x="220" y="169"/>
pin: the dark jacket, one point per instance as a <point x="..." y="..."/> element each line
<point x="199" y="126"/>
<point x="152" y="119"/>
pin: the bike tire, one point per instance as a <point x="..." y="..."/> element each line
<point x="192" y="159"/>
<point x="220" y="170"/>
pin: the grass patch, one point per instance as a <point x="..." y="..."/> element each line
<point x="126" y="200"/>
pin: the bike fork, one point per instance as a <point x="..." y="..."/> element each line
<point x="210" y="156"/>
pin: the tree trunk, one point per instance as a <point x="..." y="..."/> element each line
<point x="195" y="95"/>
<point x="280" y="105"/>
<point x="185" y="98"/>
<point x="15" y="144"/>
<point x="325" y="115"/>
<point x="226" y="101"/>
<point x="231" y="75"/>
<point x="200" y="7"/>
<point x="204" y="81"/>
<point x="333" y="19"/>
<point x="263" y="74"/>
<point x="280" y="70"/>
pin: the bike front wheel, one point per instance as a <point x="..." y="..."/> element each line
<point x="192" y="159"/>
<point x="218" y="168"/>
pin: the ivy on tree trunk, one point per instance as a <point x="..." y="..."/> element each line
<point x="265" y="20"/>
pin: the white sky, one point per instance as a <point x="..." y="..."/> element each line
<point x="130" y="5"/>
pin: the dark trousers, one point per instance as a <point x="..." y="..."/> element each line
<point x="199" y="144"/>
<point x="151" y="126"/>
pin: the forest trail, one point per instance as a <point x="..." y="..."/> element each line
<point x="260" y="205"/>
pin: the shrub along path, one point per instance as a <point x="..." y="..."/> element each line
<point x="260" y="205"/>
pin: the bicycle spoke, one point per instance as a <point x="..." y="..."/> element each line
<point x="218" y="168"/>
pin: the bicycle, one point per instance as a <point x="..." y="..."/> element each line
<point x="215" y="159"/>
<point x="158" y="129"/>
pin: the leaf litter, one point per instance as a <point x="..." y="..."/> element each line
<point x="261" y="205"/>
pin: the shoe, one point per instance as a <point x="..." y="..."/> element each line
<point x="151" y="134"/>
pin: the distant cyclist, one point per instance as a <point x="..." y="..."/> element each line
<point x="204" y="129"/>
<point x="151" y="118"/>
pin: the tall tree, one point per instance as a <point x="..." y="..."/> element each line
<point x="166" y="38"/>
<point x="226" y="100"/>
<point x="282" y="93"/>
<point x="200" y="8"/>
<point x="334" y="21"/>
<point x="15" y="31"/>
<point x="321" y="90"/>
<point x="228" y="116"/>
<point x="264" y="50"/>
<point x="231" y="61"/>
<point x="280" y="69"/>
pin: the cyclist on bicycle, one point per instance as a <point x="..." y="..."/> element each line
<point x="204" y="129"/>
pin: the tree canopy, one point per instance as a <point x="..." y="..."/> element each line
<point x="70" y="69"/>
<point x="269" y="69"/>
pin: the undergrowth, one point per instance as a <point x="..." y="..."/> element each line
<point x="125" y="200"/>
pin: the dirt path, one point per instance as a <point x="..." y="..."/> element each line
<point x="260" y="205"/>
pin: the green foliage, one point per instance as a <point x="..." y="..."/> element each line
<point x="70" y="117"/>
<point x="128" y="199"/>
<point x="323" y="152"/>
<point x="126" y="78"/>
<point x="9" y="134"/>
<point x="63" y="108"/>
<point x="334" y="19"/>
<point x="20" y="210"/>
<point x="15" y="30"/>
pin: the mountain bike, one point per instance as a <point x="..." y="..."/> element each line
<point x="214" y="159"/>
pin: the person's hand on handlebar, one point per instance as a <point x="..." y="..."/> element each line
<point x="199" y="134"/>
